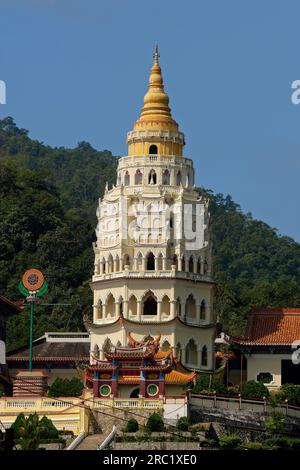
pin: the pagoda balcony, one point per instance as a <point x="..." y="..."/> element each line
<point x="145" y="160"/>
<point x="152" y="274"/>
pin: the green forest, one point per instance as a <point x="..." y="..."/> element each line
<point x="48" y="200"/>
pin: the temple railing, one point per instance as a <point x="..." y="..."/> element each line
<point x="239" y="403"/>
<point x="120" y="403"/>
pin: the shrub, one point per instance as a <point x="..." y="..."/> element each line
<point x="209" y="443"/>
<point x="155" y="423"/>
<point x="276" y="443"/>
<point x="65" y="387"/>
<point x="48" y="430"/>
<point x="205" y="383"/>
<point x="253" y="389"/>
<point x="17" y="424"/>
<point x="231" y="441"/>
<point x="182" y="424"/>
<point x="294" y="443"/>
<point x="252" y="445"/>
<point x="275" y="423"/>
<point x="291" y="393"/>
<point x="132" y="425"/>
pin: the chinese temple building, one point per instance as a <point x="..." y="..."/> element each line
<point x="139" y="370"/>
<point x="270" y="346"/>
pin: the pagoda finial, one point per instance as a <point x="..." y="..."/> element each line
<point x="156" y="55"/>
<point x="156" y="100"/>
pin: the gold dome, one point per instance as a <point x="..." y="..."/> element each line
<point x="156" y="102"/>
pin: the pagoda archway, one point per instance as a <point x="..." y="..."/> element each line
<point x="149" y="304"/>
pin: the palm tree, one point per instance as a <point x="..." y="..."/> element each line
<point x="29" y="430"/>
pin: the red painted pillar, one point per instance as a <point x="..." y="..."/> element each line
<point x="96" y="385"/>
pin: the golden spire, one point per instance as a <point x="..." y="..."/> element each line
<point x="156" y="100"/>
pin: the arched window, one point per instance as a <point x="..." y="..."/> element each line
<point x="121" y="306"/>
<point x="139" y="261"/>
<point x="171" y="220"/>
<point x="153" y="150"/>
<point x="107" y="345"/>
<point x="132" y="306"/>
<point x="149" y="304"/>
<point x="110" y="306"/>
<point x="166" y="177"/>
<point x="126" y="260"/>
<point x="202" y="310"/>
<point x="99" y="310"/>
<point x="103" y="265"/>
<point x="191" y="264"/>
<point x="127" y="179"/>
<point x="110" y="263"/>
<point x="191" y="353"/>
<point x="138" y="177"/>
<point x="160" y="261"/>
<point x="152" y="177"/>
<point x="183" y="264"/>
<point x="165" y="346"/>
<point x="205" y="267"/>
<point x="178" y="352"/>
<point x="178" y="178"/>
<point x="150" y="262"/>
<point x="96" y="352"/>
<point x="191" y="307"/>
<point x="204" y="356"/>
<point x="165" y="305"/>
<point x="175" y="261"/>
<point x="199" y="266"/>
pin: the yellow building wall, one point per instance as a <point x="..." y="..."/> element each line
<point x="163" y="148"/>
<point x="257" y="363"/>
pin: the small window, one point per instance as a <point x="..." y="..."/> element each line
<point x="153" y="150"/>
<point x="138" y="179"/>
<point x="152" y="177"/>
<point x="127" y="179"/>
<point x="166" y="177"/>
<point x="265" y="377"/>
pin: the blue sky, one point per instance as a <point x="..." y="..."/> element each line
<point x="78" y="70"/>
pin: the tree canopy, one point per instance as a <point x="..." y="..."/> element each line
<point x="48" y="201"/>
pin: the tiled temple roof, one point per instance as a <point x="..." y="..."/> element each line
<point x="271" y="327"/>
<point x="176" y="377"/>
<point x="47" y="351"/>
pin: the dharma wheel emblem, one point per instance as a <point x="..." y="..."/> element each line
<point x="33" y="284"/>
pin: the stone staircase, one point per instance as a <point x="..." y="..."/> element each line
<point x="91" y="442"/>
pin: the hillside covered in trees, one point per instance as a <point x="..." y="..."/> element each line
<point x="48" y="200"/>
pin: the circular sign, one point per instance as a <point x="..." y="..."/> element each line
<point x="33" y="279"/>
<point x="105" y="390"/>
<point x="152" y="390"/>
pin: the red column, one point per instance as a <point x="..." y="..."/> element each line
<point x="95" y="386"/>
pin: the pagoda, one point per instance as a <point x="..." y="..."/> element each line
<point x="153" y="261"/>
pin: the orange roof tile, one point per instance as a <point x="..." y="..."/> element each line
<point x="163" y="354"/>
<point x="272" y="327"/>
<point x="176" y="377"/>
